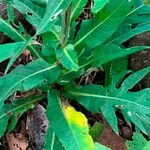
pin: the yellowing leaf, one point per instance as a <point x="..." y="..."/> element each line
<point x="75" y="118"/>
<point x="79" y="124"/>
<point x="70" y="126"/>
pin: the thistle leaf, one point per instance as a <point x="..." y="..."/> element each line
<point x="138" y="143"/>
<point x="10" y="31"/>
<point x="8" y="50"/>
<point x="24" y="78"/>
<point x="130" y="33"/>
<point x="105" y="53"/>
<point x="17" y="107"/>
<point x="33" y="13"/>
<point x="53" y="10"/>
<point x="134" y="105"/>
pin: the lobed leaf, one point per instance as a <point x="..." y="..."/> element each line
<point x="14" y="34"/>
<point x="27" y="77"/>
<point x="8" y="50"/>
<point x="138" y="143"/>
<point x="9" y="30"/>
<point x="139" y="15"/>
<point x="133" y="79"/>
<point x="17" y="54"/>
<point x="130" y="33"/>
<point x="53" y="10"/>
<point x="134" y="105"/>
<point x="105" y="53"/>
<point x="19" y="106"/>
<point x="33" y="13"/>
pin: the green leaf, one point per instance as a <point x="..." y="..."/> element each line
<point x="67" y="57"/>
<point x="11" y="16"/>
<point x="132" y="32"/>
<point x="105" y="53"/>
<point x="134" y="79"/>
<point x="73" y="133"/>
<point x="27" y="77"/>
<point x="33" y="13"/>
<point x="17" y="54"/>
<point x="4" y="125"/>
<point x="96" y="131"/>
<point x="98" y="146"/>
<point x="51" y="141"/>
<point x="66" y="20"/>
<point x="70" y="76"/>
<point x="53" y="10"/>
<point x="42" y="3"/>
<point x="147" y="146"/>
<point x="20" y="50"/>
<point x="138" y="143"/>
<point x="115" y="67"/>
<point x="9" y="30"/>
<point x="98" y="5"/>
<point x="14" y="120"/>
<point x="14" y="34"/>
<point x="77" y="7"/>
<point x="30" y="10"/>
<point x="95" y="31"/>
<point x="134" y="105"/>
<point x="15" y="108"/>
<point x="140" y="15"/>
<point x="51" y="40"/>
<point x="8" y="50"/>
<point x="147" y="2"/>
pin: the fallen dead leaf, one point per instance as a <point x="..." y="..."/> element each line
<point x="17" y="141"/>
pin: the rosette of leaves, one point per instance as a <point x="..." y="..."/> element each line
<point x="65" y="54"/>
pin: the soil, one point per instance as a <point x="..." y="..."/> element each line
<point x="112" y="140"/>
<point x="27" y="136"/>
<point x="141" y="59"/>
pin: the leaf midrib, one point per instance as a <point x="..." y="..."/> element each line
<point x="68" y="56"/>
<point x="49" y="17"/>
<point x="75" y="9"/>
<point x="38" y="18"/>
<point x="16" y="108"/>
<point x="19" y="35"/>
<point x="74" y="135"/>
<point x="35" y="73"/>
<point x="106" y="97"/>
<point x="78" y="42"/>
<point x="12" y="28"/>
<point x="52" y="142"/>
